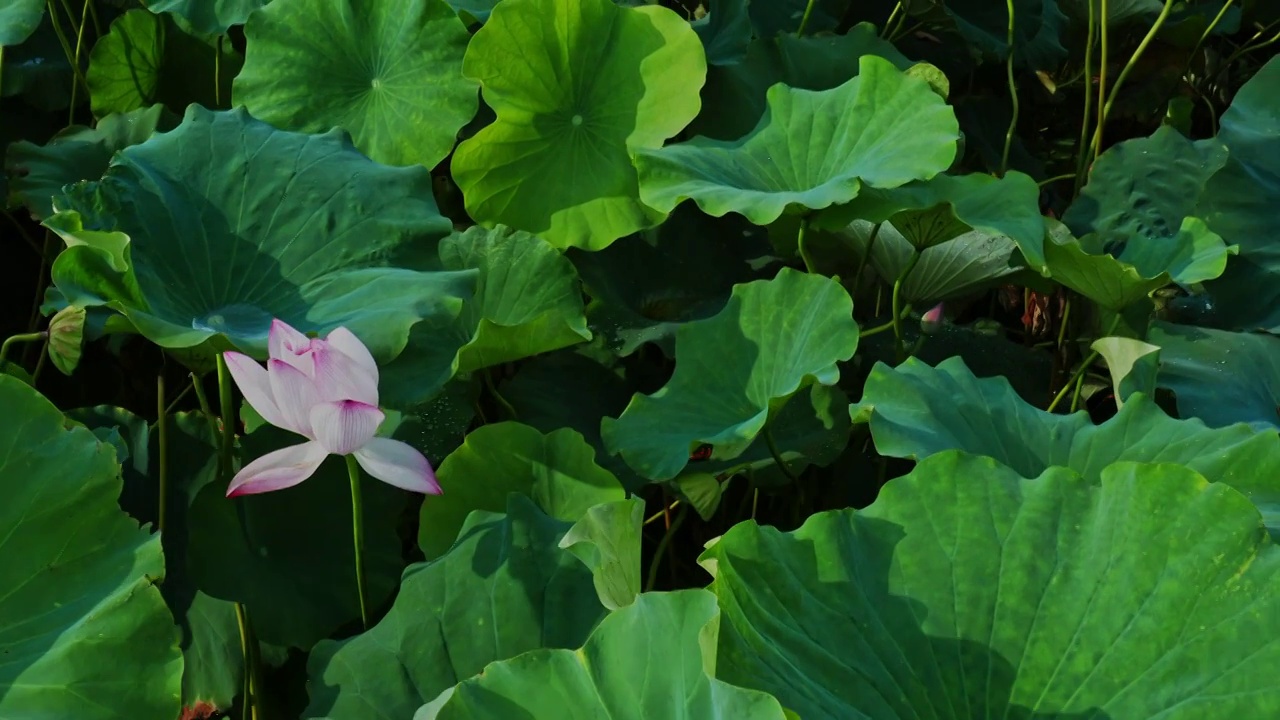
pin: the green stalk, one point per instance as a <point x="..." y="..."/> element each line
<point x="804" y="256"/>
<point x="1078" y="376"/>
<point x="897" y="302"/>
<point x="217" y="74"/>
<point x="357" y="525"/>
<point x="1013" y="96"/>
<point x="906" y="310"/>
<point x="1128" y="67"/>
<point x="84" y="20"/>
<point x="1082" y="149"/>
<point x="662" y="548"/>
<point x="777" y="456"/>
<point x="866" y="257"/>
<point x="23" y="338"/>
<point x="162" y="429"/>
<point x="897" y="8"/>
<point x="808" y="10"/>
<point x="1207" y="31"/>
<point x="227" y="411"/>
<point x="205" y="408"/>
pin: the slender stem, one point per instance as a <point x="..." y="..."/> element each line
<point x="227" y="411"/>
<point x="777" y="456"/>
<point x="804" y="21"/>
<point x="662" y="548"/>
<point x="84" y="20"/>
<point x="22" y="338"/>
<point x="1103" y="35"/>
<point x="162" y="429"/>
<point x="1075" y="396"/>
<point x="203" y="400"/>
<point x="866" y="257"/>
<point x="1013" y="96"/>
<point x="66" y="44"/>
<point x="1062" y="326"/>
<point x="40" y="360"/>
<point x="217" y="74"/>
<point x="357" y="529"/>
<point x="28" y="239"/>
<point x="800" y="235"/>
<point x="493" y="390"/>
<point x="897" y="301"/>
<point x="249" y="657"/>
<point x="173" y="404"/>
<point x="1128" y="67"/>
<point x="1209" y="30"/>
<point x="664" y="512"/>
<point x="897" y="8"/>
<point x="1056" y="178"/>
<point x="906" y="310"/>
<point x="1078" y="375"/>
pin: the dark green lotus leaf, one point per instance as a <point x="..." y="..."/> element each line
<point x="1037" y="30"/>
<point x="1118" y="275"/>
<point x="84" y="632"/>
<point x="1119" y="12"/>
<point x="930" y="212"/>
<point x="287" y="556"/>
<point x="571" y="110"/>
<point x="811" y="150"/>
<point x="725" y="31"/>
<point x="1221" y="377"/>
<point x="773" y="338"/>
<point x="915" y="411"/>
<point x="734" y="98"/>
<point x="387" y="71"/>
<point x="967" y="591"/>
<point x="213" y="229"/>
<point x="18" y="19"/>
<point x="655" y="658"/>
<point x="212" y="17"/>
<point x="1239" y="203"/>
<point x="557" y="470"/>
<point x="643" y="287"/>
<point x="147" y="59"/>
<point x="784" y="16"/>
<point x="504" y="588"/>
<point x="39" y="172"/>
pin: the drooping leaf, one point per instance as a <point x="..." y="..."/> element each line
<point x="213" y="17"/>
<point x="1221" y="377"/>
<point x="387" y="71"/>
<point x="772" y="338"/>
<point x="557" y="470"/>
<point x="915" y="411"/>
<point x="504" y="588"/>
<point x="607" y="540"/>
<point x="811" y="150"/>
<point x="84" y="632"/>
<point x="652" y="659"/>
<point x="1132" y="363"/>
<point x="571" y="110"/>
<point x="39" y="172"/>
<point x="225" y="223"/>
<point x="148" y="58"/>
<point x="968" y="591"/>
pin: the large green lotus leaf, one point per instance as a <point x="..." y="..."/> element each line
<point x="655" y="658"/>
<point x="288" y="555"/>
<point x="528" y="300"/>
<point x="1116" y="276"/>
<point x="930" y="212"/>
<point x="811" y="150"/>
<point x="771" y="339"/>
<point x="1221" y="377"/>
<point x="228" y="223"/>
<point x="504" y="588"/>
<point x="1239" y="203"/>
<point x="39" y="172"/>
<point x="213" y="17"/>
<point x="1037" y="30"/>
<point x="578" y="87"/>
<point x="966" y="591"/>
<point x="915" y="411"/>
<point x="148" y="58"/>
<point x="557" y="470"/>
<point x="957" y="267"/>
<point x="18" y="20"/>
<point x="735" y="96"/>
<point x="644" y="287"/>
<point x="84" y="632"/>
<point x="387" y="71"/>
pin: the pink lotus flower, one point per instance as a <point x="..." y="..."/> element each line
<point x="933" y="320"/>
<point x="327" y="391"/>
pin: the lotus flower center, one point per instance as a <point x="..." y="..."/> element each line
<point x="377" y="83"/>
<point x="577" y="120"/>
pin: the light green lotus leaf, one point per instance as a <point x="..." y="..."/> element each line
<point x="915" y="411"/>
<point x="1221" y="377"/>
<point x="1240" y="201"/>
<point x="387" y="71"/>
<point x="811" y="150"/>
<point x="1133" y="365"/>
<point x="37" y="173"/>
<point x="773" y="338"/>
<point x="930" y="212"/>
<point x="225" y="223"/>
<point x="528" y="300"/>
<point x="578" y="86"/>
<point x="558" y="470"/>
<point x="18" y="20"/>
<point x="148" y="58"/>
<point x="503" y="588"/>
<point x="607" y="540"/>
<point x="213" y="17"/>
<point x="967" y="591"/>
<point x="655" y="658"/>
<point x="84" y="632"/>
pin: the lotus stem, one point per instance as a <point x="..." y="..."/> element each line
<point x="217" y="73"/>
<point x="203" y="400"/>
<point x="897" y="8"/>
<point x="804" y="21"/>
<point x="357" y="529"/>
<point x="906" y="310"/>
<point x="777" y="456"/>
<point x="1102" y="84"/>
<point x="662" y="548"/>
<point x="162" y="430"/>
<point x="22" y="338"/>
<point x="84" y="20"/>
<point x="1128" y="67"/>
<point x="227" y="438"/>
<point x="804" y="256"/>
<point x="1013" y="96"/>
<point x="897" y="302"/>
<point x="866" y="257"/>
<point x="249" y="654"/>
